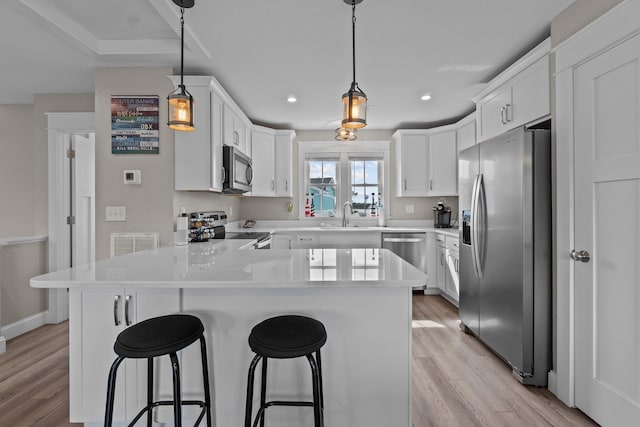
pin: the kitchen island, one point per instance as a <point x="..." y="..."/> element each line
<point x="363" y="296"/>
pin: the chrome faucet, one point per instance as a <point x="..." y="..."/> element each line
<point x="345" y="218"/>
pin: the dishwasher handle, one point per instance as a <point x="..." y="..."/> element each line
<point x="403" y="239"/>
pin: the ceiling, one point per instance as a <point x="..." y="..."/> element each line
<point x="264" y="51"/>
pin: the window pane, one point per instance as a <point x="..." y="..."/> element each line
<point x="322" y="187"/>
<point x="371" y="172"/>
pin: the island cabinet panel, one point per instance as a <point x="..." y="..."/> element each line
<point x="365" y="372"/>
<point x="98" y="315"/>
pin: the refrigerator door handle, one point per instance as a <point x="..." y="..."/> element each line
<point x="474" y="221"/>
<point x="476" y="208"/>
<point x="481" y="206"/>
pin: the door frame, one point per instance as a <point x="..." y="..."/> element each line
<point x="606" y="32"/>
<point x="59" y="127"/>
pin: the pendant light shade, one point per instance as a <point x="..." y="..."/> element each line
<point x="345" y="134"/>
<point x="354" y="101"/>
<point x="180" y="101"/>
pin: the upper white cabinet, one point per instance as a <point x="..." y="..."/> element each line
<point x="272" y="162"/>
<point x="517" y="96"/>
<point x="236" y="132"/>
<point x="263" y="146"/>
<point x="443" y="162"/>
<point x="198" y="154"/>
<point x="466" y="133"/>
<point x="412" y="150"/>
<point x="426" y="162"/>
<point x="284" y="163"/>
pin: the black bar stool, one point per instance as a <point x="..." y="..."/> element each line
<point x="155" y="337"/>
<point x="286" y="337"/>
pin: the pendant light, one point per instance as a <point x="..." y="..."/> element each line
<point x="345" y="134"/>
<point x="180" y="100"/>
<point x="354" y="101"/>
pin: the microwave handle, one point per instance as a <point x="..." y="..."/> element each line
<point x="224" y="174"/>
<point x="249" y="174"/>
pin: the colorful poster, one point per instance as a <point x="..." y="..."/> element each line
<point x="135" y="125"/>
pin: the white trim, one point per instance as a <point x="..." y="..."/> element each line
<point x="612" y="28"/>
<point x="521" y="64"/>
<point x="3" y="344"/>
<point x="552" y="382"/>
<point x="10" y="241"/>
<point x="564" y="168"/>
<point x="60" y="126"/>
<point x="24" y="325"/>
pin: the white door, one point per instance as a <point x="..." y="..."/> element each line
<point x="83" y="200"/>
<point x="607" y="214"/>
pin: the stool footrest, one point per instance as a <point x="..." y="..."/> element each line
<point x="153" y="405"/>
<point x="287" y="403"/>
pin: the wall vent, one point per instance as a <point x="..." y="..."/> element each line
<point x="125" y="243"/>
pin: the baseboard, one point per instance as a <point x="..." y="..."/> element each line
<point x="24" y="325"/>
<point x="3" y="344"/>
<point x="552" y="382"/>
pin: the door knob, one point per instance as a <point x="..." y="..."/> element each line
<point x="582" y="256"/>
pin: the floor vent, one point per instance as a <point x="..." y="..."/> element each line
<point x="125" y="243"/>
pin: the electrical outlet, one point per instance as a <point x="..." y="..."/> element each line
<point x="230" y="211"/>
<point x="408" y="208"/>
<point x="116" y="213"/>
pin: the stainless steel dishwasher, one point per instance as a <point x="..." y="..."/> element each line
<point x="412" y="247"/>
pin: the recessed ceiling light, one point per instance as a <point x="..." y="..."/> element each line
<point x="291" y="99"/>
<point x="426" y="97"/>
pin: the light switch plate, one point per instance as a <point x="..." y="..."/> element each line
<point x="408" y="208"/>
<point x="116" y="213"/>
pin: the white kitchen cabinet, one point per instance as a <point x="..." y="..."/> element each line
<point x="284" y="162"/>
<point x="412" y="150"/>
<point x="443" y="163"/>
<point x="441" y="267"/>
<point x="236" y="132"/>
<point x="101" y="314"/>
<point x="263" y="147"/>
<point x="466" y="133"/>
<point x="452" y="282"/>
<point x="517" y="96"/>
<point x="198" y="154"/>
<point x="272" y="162"/>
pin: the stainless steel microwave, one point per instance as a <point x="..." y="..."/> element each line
<point x="238" y="173"/>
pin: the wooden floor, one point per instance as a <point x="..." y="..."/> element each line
<point x="456" y="380"/>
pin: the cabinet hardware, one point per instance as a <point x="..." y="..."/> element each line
<point x="273" y="185"/>
<point x="286" y="185"/>
<point x="116" y="319"/>
<point x="582" y="256"/>
<point x="224" y="174"/>
<point x="127" y="320"/>
<point x="430" y="184"/>
<point x="507" y="108"/>
<point x="502" y="116"/>
<point x="405" y="185"/>
<point x="441" y="259"/>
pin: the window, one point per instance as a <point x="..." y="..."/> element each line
<point x="337" y="173"/>
<point x="365" y="185"/>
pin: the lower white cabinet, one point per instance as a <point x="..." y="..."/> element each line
<point x="100" y="315"/>
<point x="452" y="280"/>
<point x="443" y="266"/>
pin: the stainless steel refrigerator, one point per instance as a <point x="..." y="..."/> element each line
<point x="505" y="249"/>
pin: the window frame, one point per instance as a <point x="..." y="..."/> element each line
<point x="344" y="152"/>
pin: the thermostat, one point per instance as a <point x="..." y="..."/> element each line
<point x="132" y="177"/>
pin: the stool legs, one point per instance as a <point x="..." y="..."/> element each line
<point x="149" y="390"/>
<point x="205" y="377"/>
<point x="318" y="395"/>
<point x="177" y="399"/>
<point x="111" y="390"/>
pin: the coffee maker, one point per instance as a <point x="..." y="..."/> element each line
<point x="442" y="215"/>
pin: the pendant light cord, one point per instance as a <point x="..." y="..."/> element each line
<point x="353" y="38"/>
<point x="182" y="49"/>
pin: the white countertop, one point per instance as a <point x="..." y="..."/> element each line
<point x="222" y="264"/>
<point x="329" y="225"/>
